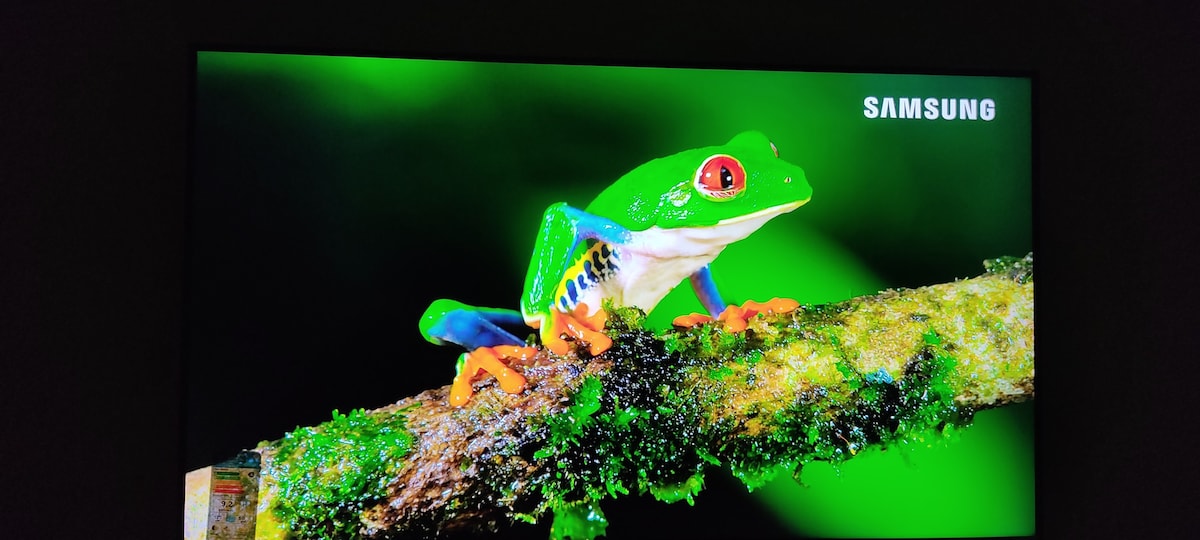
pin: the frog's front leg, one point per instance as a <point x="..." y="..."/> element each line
<point x="481" y="331"/>
<point x="565" y="278"/>
<point x="735" y="317"/>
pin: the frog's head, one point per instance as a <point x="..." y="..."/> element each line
<point x="741" y="181"/>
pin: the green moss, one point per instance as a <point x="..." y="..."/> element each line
<point x="629" y="430"/>
<point x="583" y="521"/>
<point x="926" y="398"/>
<point x="679" y="491"/>
<point x="1019" y="269"/>
<point x="835" y="422"/>
<point x="719" y="373"/>
<point x="329" y="473"/>
<point x="567" y="428"/>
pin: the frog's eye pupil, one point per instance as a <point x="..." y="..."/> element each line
<point x="720" y="177"/>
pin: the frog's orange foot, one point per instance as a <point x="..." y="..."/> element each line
<point x="736" y="317"/>
<point x="774" y="306"/>
<point x="565" y="328"/>
<point x="695" y="319"/>
<point x="496" y="361"/>
<point x="594" y="322"/>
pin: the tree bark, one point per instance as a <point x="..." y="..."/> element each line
<point x="820" y="383"/>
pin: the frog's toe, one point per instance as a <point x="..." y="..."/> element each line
<point x="598" y="343"/>
<point x="554" y="341"/>
<point x="590" y="329"/>
<point x="516" y="354"/>
<point x="774" y="306"/>
<point x="577" y="326"/>
<point x="736" y="318"/>
<point x="593" y="322"/>
<point x="688" y="321"/>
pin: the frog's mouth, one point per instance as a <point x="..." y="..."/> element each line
<point x="763" y="215"/>
<point x="710" y="240"/>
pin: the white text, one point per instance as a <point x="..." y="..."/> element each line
<point x="916" y="108"/>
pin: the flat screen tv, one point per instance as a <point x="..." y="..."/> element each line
<point x="332" y="199"/>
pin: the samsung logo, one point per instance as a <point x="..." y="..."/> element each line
<point x="930" y="108"/>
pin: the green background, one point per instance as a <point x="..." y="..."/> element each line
<point x="320" y="183"/>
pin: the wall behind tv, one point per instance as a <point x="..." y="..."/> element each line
<point x="93" y="174"/>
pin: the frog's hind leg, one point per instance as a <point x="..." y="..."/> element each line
<point x="469" y="326"/>
<point x="482" y="332"/>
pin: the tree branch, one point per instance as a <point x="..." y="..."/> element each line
<point x="655" y="412"/>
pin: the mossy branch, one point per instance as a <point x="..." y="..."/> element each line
<point x="655" y="412"/>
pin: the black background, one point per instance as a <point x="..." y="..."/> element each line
<point x="93" y="189"/>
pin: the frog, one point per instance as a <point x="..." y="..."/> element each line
<point x="660" y="224"/>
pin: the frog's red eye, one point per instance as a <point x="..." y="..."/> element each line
<point x="720" y="177"/>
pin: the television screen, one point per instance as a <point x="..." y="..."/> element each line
<point x="334" y="198"/>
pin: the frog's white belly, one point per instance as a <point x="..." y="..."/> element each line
<point x="644" y="278"/>
<point x="657" y="260"/>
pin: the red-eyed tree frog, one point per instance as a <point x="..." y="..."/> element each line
<point x="657" y="225"/>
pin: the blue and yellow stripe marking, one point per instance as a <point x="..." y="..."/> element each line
<point x="596" y="265"/>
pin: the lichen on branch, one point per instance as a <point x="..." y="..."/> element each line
<point x="658" y="411"/>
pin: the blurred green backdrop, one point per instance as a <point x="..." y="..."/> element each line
<point x="320" y="183"/>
